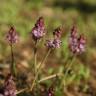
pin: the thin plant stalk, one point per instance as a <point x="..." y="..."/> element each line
<point x="44" y="59"/>
<point x="49" y="77"/>
<point x="12" y="66"/>
<point x="35" y="58"/>
<point x="39" y="68"/>
<point x="66" y="59"/>
<point x="67" y="69"/>
<point x="22" y="90"/>
<point x="69" y="65"/>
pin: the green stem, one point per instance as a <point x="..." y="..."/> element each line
<point x="44" y="59"/>
<point x="68" y="67"/>
<point x="12" y="66"/>
<point x="35" y="58"/>
<point x="66" y="62"/>
<point x="39" y="68"/>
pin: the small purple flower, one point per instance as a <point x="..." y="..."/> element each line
<point x="53" y="43"/>
<point x="9" y="86"/>
<point x="73" y="43"/>
<point x="81" y="43"/>
<point x="57" y="32"/>
<point x="76" y="44"/>
<point x="38" y="30"/>
<point x="51" y="91"/>
<point x="12" y="36"/>
<point x="57" y="43"/>
<point x="50" y="44"/>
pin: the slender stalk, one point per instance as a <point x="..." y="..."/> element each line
<point x="68" y="67"/>
<point x="22" y="90"/>
<point x="65" y="65"/>
<point x="49" y="77"/>
<point x="12" y="66"/>
<point x="39" y="68"/>
<point x="35" y="58"/>
<point x="44" y="59"/>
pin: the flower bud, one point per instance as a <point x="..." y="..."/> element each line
<point x="57" y="32"/>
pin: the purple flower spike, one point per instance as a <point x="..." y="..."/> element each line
<point x="9" y="86"/>
<point x="55" y="43"/>
<point x="73" y="43"/>
<point x="81" y="43"/>
<point x="57" y="32"/>
<point x="12" y="36"/>
<point x="38" y="30"/>
<point x="76" y="44"/>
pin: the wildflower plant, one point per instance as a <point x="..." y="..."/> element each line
<point x="38" y="31"/>
<point x="9" y="88"/>
<point x="76" y="45"/>
<point x="12" y="38"/>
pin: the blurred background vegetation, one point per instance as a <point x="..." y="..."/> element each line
<point x="23" y="14"/>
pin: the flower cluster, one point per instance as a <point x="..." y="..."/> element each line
<point x="76" y="43"/>
<point x="9" y="86"/>
<point x="38" y="30"/>
<point x="55" y="42"/>
<point x="12" y="36"/>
